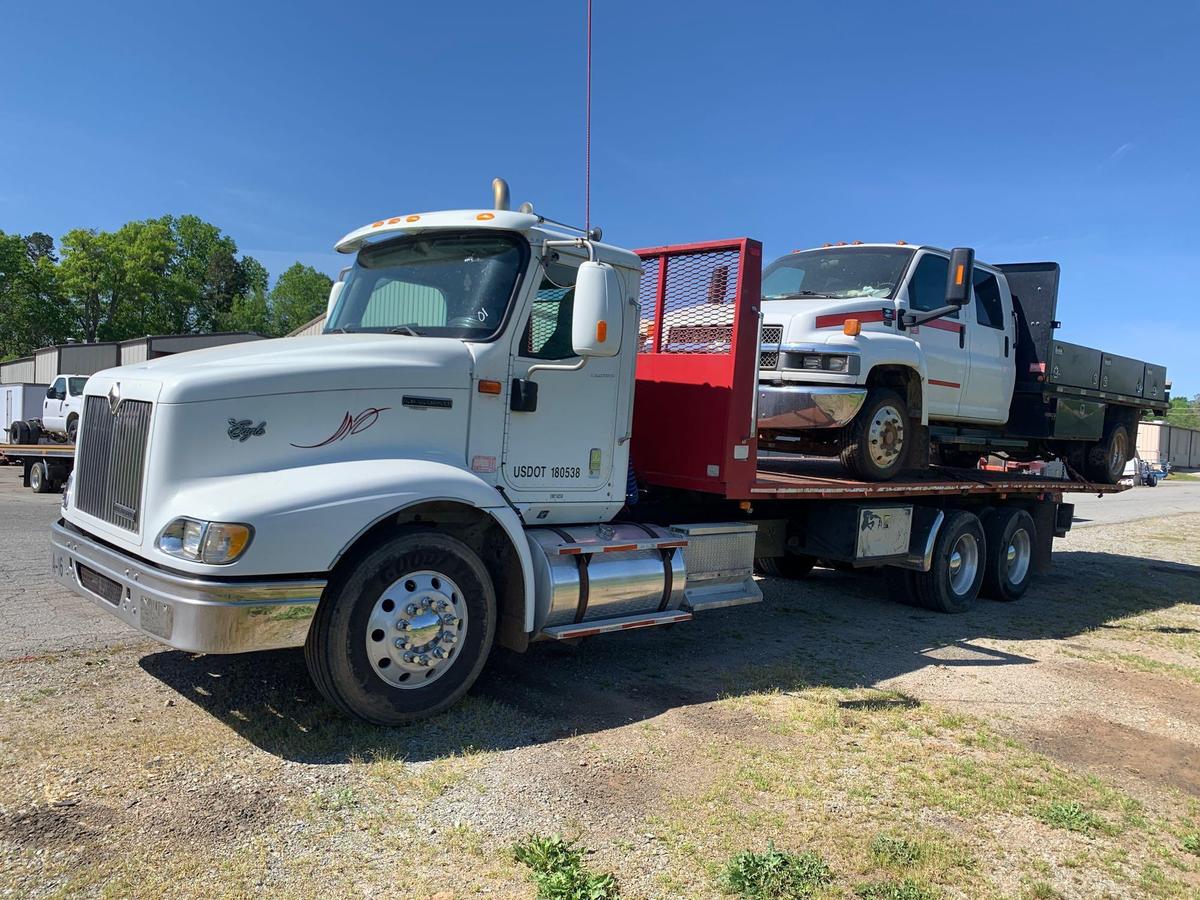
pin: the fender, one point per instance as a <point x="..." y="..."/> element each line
<point x="894" y="350"/>
<point x="305" y="518"/>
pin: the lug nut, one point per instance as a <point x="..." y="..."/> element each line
<point x="442" y="604"/>
<point x="400" y="643"/>
<point x="439" y="652"/>
<point x="425" y="602"/>
<point x="448" y="619"/>
<point x="411" y="609"/>
<point x="448" y="637"/>
<point x="408" y="657"/>
<point x="423" y="659"/>
<point x="402" y="625"/>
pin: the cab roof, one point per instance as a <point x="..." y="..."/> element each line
<point x="536" y="228"/>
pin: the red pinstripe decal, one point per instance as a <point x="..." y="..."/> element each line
<point x="837" y="320"/>
<point x="949" y="384"/>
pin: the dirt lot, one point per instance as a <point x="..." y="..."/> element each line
<point x="1040" y="749"/>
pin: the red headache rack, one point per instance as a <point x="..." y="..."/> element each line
<point x="697" y="374"/>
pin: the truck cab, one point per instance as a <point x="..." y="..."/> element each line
<point x="63" y="404"/>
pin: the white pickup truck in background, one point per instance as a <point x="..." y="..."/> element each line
<point x="60" y="413"/>
<point x="872" y="351"/>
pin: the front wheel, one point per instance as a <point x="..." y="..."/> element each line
<point x="876" y="445"/>
<point x="40" y="481"/>
<point x="404" y="633"/>
<point x="72" y="429"/>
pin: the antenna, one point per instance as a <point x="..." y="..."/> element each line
<point x="587" y="141"/>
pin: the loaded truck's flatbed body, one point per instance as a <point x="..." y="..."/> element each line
<point x="53" y="463"/>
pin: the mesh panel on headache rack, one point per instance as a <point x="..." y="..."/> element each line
<point x="698" y="311"/>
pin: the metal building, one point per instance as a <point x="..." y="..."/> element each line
<point x="316" y="326"/>
<point x="74" y="359"/>
<point x="1159" y="442"/>
<point x="17" y="371"/>
<point x="136" y="350"/>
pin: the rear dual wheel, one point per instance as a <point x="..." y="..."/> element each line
<point x="1105" y="461"/>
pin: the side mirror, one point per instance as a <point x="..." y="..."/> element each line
<point x="958" y="282"/>
<point x="334" y="293"/>
<point x="597" y="316"/>
<point x="50" y="392"/>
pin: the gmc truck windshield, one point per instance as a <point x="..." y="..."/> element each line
<point x="437" y="284"/>
<point x="838" y="272"/>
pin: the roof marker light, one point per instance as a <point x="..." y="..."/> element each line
<point x="393" y="220"/>
<point x="484" y="217"/>
<point x="412" y="218"/>
<point x="901" y="243"/>
<point x="377" y="224"/>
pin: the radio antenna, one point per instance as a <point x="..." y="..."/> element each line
<point x="587" y="140"/>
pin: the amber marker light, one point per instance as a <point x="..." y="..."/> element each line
<point x="852" y="327"/>
<point x="487" y="386"/>
<point x="412" y="218"/>
<point x="601" y="331"/>
<point x="484" y="217"/>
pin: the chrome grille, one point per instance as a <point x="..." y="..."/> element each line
<point x="112" y="460"/>
<point x="771" y="336"/>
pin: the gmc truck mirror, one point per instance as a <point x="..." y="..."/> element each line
<point x="597" y="317"/>
<point x="958" y="280"/>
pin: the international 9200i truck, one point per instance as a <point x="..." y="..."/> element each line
<point x="508" y="432"/>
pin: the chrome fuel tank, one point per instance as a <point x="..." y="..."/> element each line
<point x="584" y="573"/>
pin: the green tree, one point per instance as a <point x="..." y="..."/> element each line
<point x="1184" y="412"/>
<point x="299" y="295"/>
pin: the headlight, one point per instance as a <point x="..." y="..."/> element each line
<point x="842" y="363"/>
<point x="216" y="543"/>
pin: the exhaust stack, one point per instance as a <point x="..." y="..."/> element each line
<point x="500" y="193"/>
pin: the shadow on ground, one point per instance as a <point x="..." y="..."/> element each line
<point x="832" y="629"/>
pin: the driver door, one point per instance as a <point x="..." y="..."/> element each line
<point x="52" y="407"/>
<point x="941" y="341"/>
<point x="565" y="445"/>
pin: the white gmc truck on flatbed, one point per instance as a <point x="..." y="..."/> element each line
<point x="866" y="345"/>
<point x="448" y="466"/>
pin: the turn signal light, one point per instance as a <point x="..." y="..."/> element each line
<point x="851" y="327"/>
<point x="601" y="331"/>
<point x="489" y="387"/>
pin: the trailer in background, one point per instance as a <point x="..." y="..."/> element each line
<point x="46" y="466"/>
<point x="19" y="402"/>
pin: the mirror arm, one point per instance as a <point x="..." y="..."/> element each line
<point x="912" y="320"/>
<point x="582" y="243"/>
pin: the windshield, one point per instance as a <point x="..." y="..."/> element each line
<point x="441" y="284"/>
<point x="839" y="272"/>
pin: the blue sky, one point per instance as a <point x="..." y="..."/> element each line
<point x="1066" y="131"/>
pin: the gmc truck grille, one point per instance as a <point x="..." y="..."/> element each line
<point x="771" y="335"/>
<point x="112" y="461"/>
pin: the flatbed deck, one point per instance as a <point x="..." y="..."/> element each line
<point x="781" y="478"/>
<point x="55" y="451"/>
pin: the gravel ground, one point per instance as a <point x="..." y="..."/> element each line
<point x="814" y="720"/>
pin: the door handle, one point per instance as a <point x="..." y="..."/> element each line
<point x="962" y="336"/>
<point x="1006" y="346"/>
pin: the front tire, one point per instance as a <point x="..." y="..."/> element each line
<point x="404" y="633"/>
<point x="876" y="445"/>
<point x="1105" y="462"/>
<point x="72" y="429"/>
<point x="39" y="478"/>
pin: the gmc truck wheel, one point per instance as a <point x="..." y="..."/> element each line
<point x="875" y="446"/>
<point x="953" y="580"/>
<point x="1105" y="463"/>
<point x="405" y="632"/>
<point x="1010" y="535"/>
<point x="72" y="429"/>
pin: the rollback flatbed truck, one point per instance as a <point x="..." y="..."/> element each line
<point x="45" y="467"/>
<point x="499" y="438"/>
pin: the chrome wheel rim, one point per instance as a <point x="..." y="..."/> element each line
<point x="964" y="563"/>
<point x="885" y="436"/>
<point x="1017" y="556"/>
<point x="415" y="629"/>
<point x="1117" y="457"/>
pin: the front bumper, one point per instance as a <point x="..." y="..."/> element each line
<point x="801" y="406"/>
<point x="201" y="615"/>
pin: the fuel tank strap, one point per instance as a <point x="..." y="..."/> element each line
<point x="581" y="563"/>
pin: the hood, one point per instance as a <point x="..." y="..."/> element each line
<point x="326" y="362"/>
<point x="799" y="317"/>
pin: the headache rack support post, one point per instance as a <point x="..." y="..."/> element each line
<point x="697" y="367"/>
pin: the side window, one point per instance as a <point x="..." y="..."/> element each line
<point x="989" y="310"/>
<point x="75" y="386"/>
<point x="927" y="287"/>
<point x="58" y="390"/>
<point x="548" y="331"/>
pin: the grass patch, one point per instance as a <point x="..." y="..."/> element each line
<point x="1041" y="890"/>
<point x="906" y="889"/>
<point x="895" y="851"/>
<point x="775" y="874"/>
<point x="1191" y="843"/>
<point x="557" y="870"/>
<point x="1070" y="816"/>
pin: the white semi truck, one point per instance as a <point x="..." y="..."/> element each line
<point x="866" y="356"/>
<point x="449" y="466"/>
